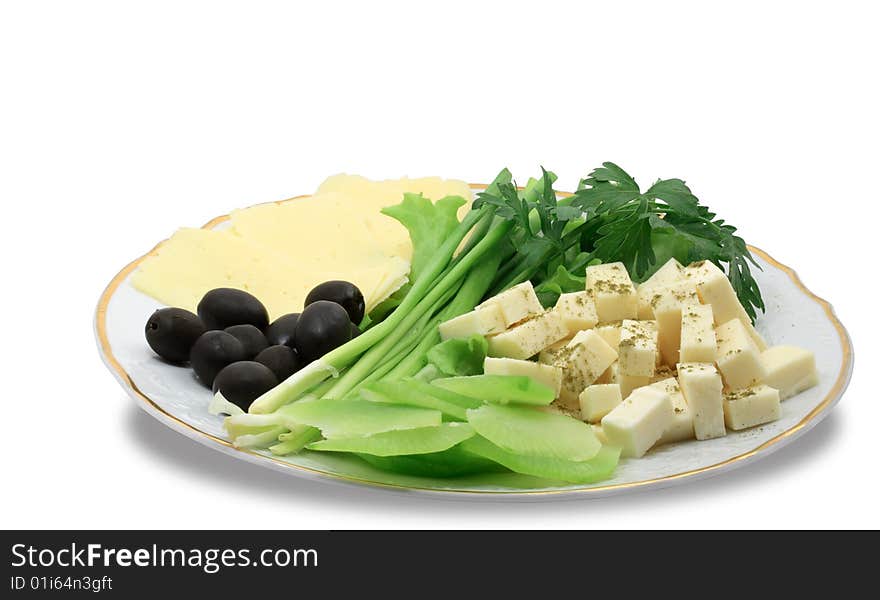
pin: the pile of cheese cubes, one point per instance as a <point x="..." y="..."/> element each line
<point x="671" y="359"/>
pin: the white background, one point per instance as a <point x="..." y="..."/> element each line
<point x="121" y="121"/>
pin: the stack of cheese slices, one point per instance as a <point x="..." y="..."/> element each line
<point x="672" y="359"/>
<point x="281" y="250"/>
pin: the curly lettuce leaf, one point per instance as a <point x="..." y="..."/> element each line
<point x="429" y="224"/>
<point x="460" y="356"/>
<point x="561" y="282"/>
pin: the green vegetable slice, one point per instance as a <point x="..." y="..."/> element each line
<point x="499" y="389"/>
<point x="413" y="393"/>
<point x="295" y="440"/>
<point x="356" y="418"/>
<point x="454" y="462"/>
<point x="246" y="424"/>
<point x="423" y="440"/>
<point x="446" y="395"/>
<point x="428" y="373"/>
<point x="599" y="467"/>
<point x="460" y="356"/>
<point x="263" y="439"/>
<point x="525" y="430"/>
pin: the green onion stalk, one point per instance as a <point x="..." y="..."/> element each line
<point x="471" y="292"/>
<point x="522" y="268"/>
<point x="372" y="358"/>
<point x="404" y="347"/>
<point x="371" y="347"/>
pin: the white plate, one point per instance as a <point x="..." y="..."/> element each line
<point x="794" y="316"/>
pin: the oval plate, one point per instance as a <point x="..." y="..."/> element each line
<point x="794" y="316"/>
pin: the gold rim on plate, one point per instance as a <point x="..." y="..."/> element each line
<point x="809" y="420"/>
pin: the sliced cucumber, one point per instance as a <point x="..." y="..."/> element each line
<point x="356" y="418"/>
<point x="600" y="467"/>
<point x="413" y="393"/>
<point x="454" y="462"/>
<point x="423" y="440"/>
<point x="499" y="389"/>
<point x="528" y="431"/>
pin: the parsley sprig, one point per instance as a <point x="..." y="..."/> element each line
<point x="545" y="235"/>
<point x="645" y="229"/>
<point x="610" y="219"/>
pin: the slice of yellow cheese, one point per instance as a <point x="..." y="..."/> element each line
<point x="193" y="261"/>
<point x="280" y="251"/>
<point x="324" y="231"/>
<point x="369" y="197"/>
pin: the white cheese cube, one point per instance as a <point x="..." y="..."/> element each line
<point x="578" y="311"/>
<point x="701" y="385"/>
<point x="669" y="304"/>
<point x="630" y="383"/>
<point x="528" y="338"/>
<point x="663" y="372"/>
<point x="548" y="355"/>
<point x="608" y="375"/>
<point x="670" y="273"/>
<point x="610" y="332"/>
<point x="738" y="358"/>
<point x="582" y="361"/>
<point x="751" y="406"/>
<point x="714" y="288"/>
<point x="613" y="292"/>
<point x="516" y="304"/>
<point x="637" y="349"/>
<point x="682" y="426"/>
<point x="789" y="369"/>
<point x="638" y="422"/>
<point x="697" y="334"/>
<point x="480" y="321"/>
<point x="598" y="400"/>
<point x="546" y="374"/>
<point x="627" y="383"/>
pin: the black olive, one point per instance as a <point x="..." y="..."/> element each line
<point x="212" y="352"/>
<point x="282" y="360"/>
<point x="355" y="331"/>
<point x="322" y="326"/>
<point x="243" y="382"/>
<point x="344" y="294"/>
<point x="171" y="333"/>
<point x="250" y="337"/>
<point x="223" y="307"/>
<point x="282" y="330"/>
